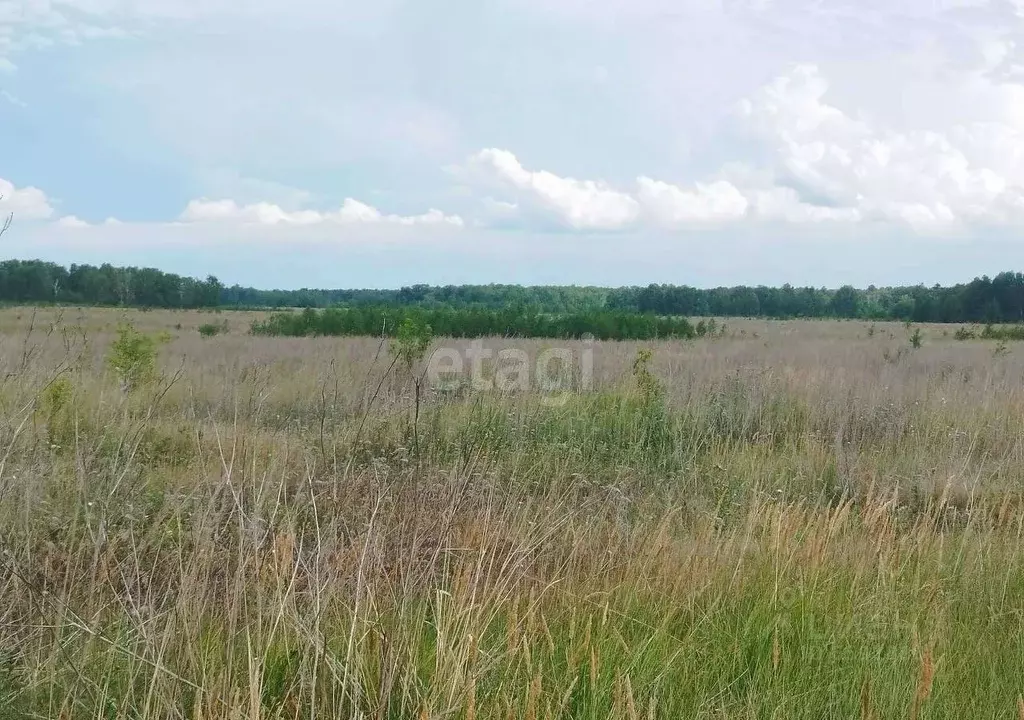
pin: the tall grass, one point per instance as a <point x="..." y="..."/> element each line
<point x="791" y="526"/>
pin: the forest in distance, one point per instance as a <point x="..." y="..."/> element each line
<point x="997" y="299"/>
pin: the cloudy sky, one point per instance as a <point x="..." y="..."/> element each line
<point x="290" y="143"/>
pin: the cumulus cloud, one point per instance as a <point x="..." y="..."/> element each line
<point x="845" y="140"/>
<point x="971" y="173"/>
<point x="595" y="205"/>
<point x="783" y="204"/>
<point x="27" y="203"/>
<point x="672" y="205"/>
<point x="350" y="212"/>
<point x="580" y="204"/>
<point x="819" y="163"/>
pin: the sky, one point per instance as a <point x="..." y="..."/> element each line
<point x="308" y="143"/>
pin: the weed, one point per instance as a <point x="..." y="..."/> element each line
<point x="647" y="384"/>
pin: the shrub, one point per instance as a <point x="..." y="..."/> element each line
<point x="646" y="384"/>
<point x="916" y="338"/>
<point x="133" y="357"/>
<point x="55" y="406"/>
<point x="705" y="328"/>
<point x="56" y="396"/>
<point x="208" y="330"/>
<point x="992" y="332"/>
<point x="411" y="342"/>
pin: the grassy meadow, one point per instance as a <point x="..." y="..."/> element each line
<point x="804" y="519"/>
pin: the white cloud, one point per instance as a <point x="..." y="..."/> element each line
<point x="74" y="222"/>
<point x="672" y="205"/>
<point x="819" y="163"/>
<point x="740" y="195"/>
<point x="223" y="182"/>
<point x="71" y="221"/>
<point x="907" y="116"/>
<point x="204" y="210"/>
<point x="351" y="212"/>
<point x="28" y="203"/>
<point x="579" y="204"/>
<point x="927" y="178"/>
<point x="784" y="204"/>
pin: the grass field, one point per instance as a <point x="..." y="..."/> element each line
<point x="794" y="520"/>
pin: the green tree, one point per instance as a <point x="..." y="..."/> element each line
<point x="845" y="303"/>
<point x="132" y="356"/>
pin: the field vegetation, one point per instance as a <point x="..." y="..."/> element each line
<point x="804" y="519"/>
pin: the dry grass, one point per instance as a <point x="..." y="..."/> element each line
<point x="806" y="524"/>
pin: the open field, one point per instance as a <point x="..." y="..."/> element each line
<point x="795" y="520"/>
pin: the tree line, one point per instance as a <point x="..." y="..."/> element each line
<point x="999" y="299"/>
<point x="481" y="322"/>
<point x="35" y="282"/>
<point x="547" y="298"/>
<point x="989" y="300"/>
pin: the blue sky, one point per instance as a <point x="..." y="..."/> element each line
<point x="294" y="143"/>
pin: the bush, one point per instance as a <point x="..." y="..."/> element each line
<point x="208" y="330"/>
<point x="133" y="357"/>
<point x="412" y="341"/>
<point x="992" y="332"/>
<point x="56" y="396"/>
<point x="647" y="384"/>
<point x="55" y="404"/>
<point x="916" y="338"/>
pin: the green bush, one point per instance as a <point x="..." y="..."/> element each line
<point x="412" y="341"/>
<point x="132" y="356"/>
<point x="208" y="330"/>
<point x="56" y="396"/>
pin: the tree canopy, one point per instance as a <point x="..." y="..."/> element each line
<point x="989" y="300"/>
